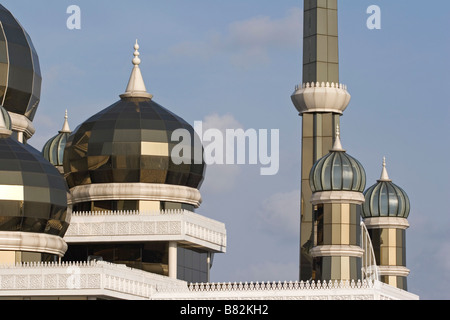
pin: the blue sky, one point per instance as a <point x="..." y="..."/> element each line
<point x="235" y="64"/>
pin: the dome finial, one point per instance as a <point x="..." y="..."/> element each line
<point x="384" y="173"/>
<point x="66" y="127"/>
<point x="337" y="143"/>
<point x="136" y="86"/>
<point x="136" y="60"/>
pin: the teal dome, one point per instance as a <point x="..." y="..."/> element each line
<point x="53" y="150"/>
<point x="385" y="199"/>
<point x="337" y="171"/>
<point x="5" y="123"/>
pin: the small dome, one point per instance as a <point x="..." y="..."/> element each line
<point x="33" y="194"/>
<point x="385" y="199"/>
<point x="53" y="150"/>
<point x="130" y="142"/>
<point x="20" y="74"/>
<point x="337" y="171"/>
<point x="5" y="123"/>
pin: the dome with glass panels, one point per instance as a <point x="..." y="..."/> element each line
<point x="33" y="194"/>
<point x="53" y="149"/>
<point x="20" y="75"/>
<point x="337" y="171"/>
<point x="385" y="199"/>
<point x="131" y="142"/>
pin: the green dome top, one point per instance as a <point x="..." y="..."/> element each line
<point x="337" y="171"/>
<point x="53" y="149"/>
<point x="385" y="199"/>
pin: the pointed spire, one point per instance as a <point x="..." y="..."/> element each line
<point x="136" y="86"/>
<point x="337" y="143"/>
<point x="66" y="128"/>
<point x="384" y="173"/>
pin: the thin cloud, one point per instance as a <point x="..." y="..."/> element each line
<point x="280" y="214"/>
<point x="247" y="42"/>
<point x="221" y="178"/>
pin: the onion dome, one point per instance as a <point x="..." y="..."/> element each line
<point x="53" y="150"/>
<point x="5" y="123"/>
<point x="337" y="171"/>
<point x="130" y="142"/>
<point x="20" y="75"/>
<point x="385" y="199"/>
<point x="33" y="194"/>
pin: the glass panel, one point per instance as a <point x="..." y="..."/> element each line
<point x="384" y="200"/>
<point x="393" y="201"/>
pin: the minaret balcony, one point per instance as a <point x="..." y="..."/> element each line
<point x="321" y="97"/>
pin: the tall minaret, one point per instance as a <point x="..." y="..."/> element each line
<point x="320" y="100"/>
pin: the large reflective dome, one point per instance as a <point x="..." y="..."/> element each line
<point x="130" y="142"/>
<point x="337" y="171"/>
<point x="385" y="199"/>
<point x="33" y="194"/>
<point x="20" y="74"/>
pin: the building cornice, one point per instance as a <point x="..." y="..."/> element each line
<point x="170" y="225"/>
<point x="99" y="279"/>
<point x="136" y="191"/>
<point x="386" y="223"/>
<point x="337" y="251"/>
<point x="398" y="271"/>
<point x="21" y="123"/>
<point x="337" y="197"/>
<point x="32" y="242"/>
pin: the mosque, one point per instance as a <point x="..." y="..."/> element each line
<point x="105" y="213"/>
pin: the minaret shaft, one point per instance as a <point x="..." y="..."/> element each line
<point x="320" y="64"/>
<point x="320" y="41"/>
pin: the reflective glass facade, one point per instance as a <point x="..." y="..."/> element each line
<point x="192" y="264"/>
<point x="337" y="225"/>
<point x="130" y="141"/>
<point x="20" y="74"/>
<point x="385" y="199"/>
<point x="389" y="246"/>
<point x="33" y="194"/>
<point x="338" y="171"/>
<point x="129" y="205"/>
<point x="318" y="134"/>
<point x="337" y="268"/>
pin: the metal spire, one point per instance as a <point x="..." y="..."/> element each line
<point x="337" y="143"/>
<point x="136" y="86"/>
<point x="66" y="128"/>
<point x="384" y="173"/>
